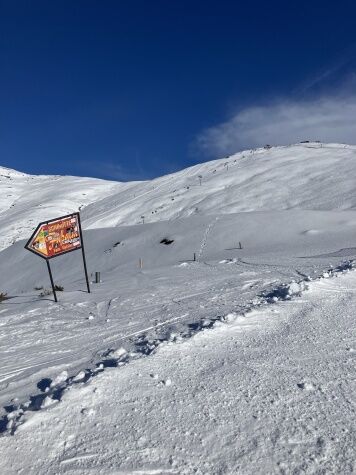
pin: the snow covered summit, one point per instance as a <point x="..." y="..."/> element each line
<point x="303" y="176"/>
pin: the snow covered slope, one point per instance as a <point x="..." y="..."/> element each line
<point x="304" y="176"/>
<point x="170" y="294"/>
<point x="269" y="391"/>
<point x="27" y="199"/>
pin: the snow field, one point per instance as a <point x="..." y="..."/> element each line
<point x="257" y="394"/>
<point x="41" y="339"/>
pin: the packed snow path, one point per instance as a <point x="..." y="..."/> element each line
<point x="269" y="392"/>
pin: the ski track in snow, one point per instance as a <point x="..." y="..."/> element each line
<point x="145" y="345"/>
<point x="39" y="338"/>
<point x="205" y="238"/>
<point x="286" y="371"/>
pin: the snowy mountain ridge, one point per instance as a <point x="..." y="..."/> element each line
<point x="303" y="176"/>
<point x="29" y="199"/>
<point x="312" y="176"/>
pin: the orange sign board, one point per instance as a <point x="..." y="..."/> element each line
<point x="57" y="236"/>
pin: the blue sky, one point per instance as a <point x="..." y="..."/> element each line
<point x="136" y="89"/>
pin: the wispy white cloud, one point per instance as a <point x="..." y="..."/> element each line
<point x="327" y="118"/>
<point x="108" y="169"/>
<point x="331" y="71"/>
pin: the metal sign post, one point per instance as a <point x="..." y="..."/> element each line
<point x="52" y="283"/>
<point x="83" y="254"/>
<point x="56" y="237"/>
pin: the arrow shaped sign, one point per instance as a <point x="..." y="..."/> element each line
<point x="55" y="237"/>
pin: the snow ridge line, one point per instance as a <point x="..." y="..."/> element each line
<point x="144" y="346"/>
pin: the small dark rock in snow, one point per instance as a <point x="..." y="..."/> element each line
<point x="166" y="241"/>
